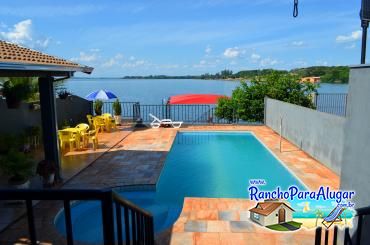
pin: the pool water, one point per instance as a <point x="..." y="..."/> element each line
<point x="200" y="164"/>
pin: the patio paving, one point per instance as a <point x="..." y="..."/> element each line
<point x="139" y="158"/>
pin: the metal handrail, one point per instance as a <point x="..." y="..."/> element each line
<point x="139" y="228"/>
<point x="130" y="205"/>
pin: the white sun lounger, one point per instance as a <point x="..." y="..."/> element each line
<point x="158" y="122"/>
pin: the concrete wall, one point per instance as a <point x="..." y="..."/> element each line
<point x="356" y="155"/>
<point x="73" y="109"/>
<point x="356" y="158"/>
<point x="319" y="134"/>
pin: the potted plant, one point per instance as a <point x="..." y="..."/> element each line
<point x="63" y="94"/>
<point x="117" y="112"/>
<point x="47" y="169"/>
<point x="19" y="167"/>
<point x="98" y="105"/>
<point x="15" y="93"/>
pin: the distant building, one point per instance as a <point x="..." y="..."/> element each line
<point x="311" y="79"/>
<point x="271" y="212"/>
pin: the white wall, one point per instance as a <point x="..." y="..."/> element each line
<point x="356" y="155"/>
<point x="319" y="134"/>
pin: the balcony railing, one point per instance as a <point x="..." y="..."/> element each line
<point x="137" y="223"/>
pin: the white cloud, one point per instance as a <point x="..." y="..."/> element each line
<point x="268" y="62"/>
<point x="298" y="43"/>
<point x="86" y="57"/>
<point x="43" y="43"/>
<point x="113" y="61"/>
<point x="134" y="64"/>
<point x="355" y="35"/>
<point x="208" y="50"/>
<point x="232" y="52"/>
<point x="20" y="33"/>
<point x="255" y="57"/>
<point x="95" y="50"/>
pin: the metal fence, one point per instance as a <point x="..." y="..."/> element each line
<point x="127" y="109"/>
<point x="333" y="103"/>
<point x="189" y="114"/>
<point x="131" y="224"/>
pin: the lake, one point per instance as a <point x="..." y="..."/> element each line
<point x="155" y="91"/>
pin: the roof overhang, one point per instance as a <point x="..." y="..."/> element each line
<point x="8" y="69"/>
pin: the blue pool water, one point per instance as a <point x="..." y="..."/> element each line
<point x="200" y="164"/>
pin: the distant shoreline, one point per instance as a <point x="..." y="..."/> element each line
<point x="179" y="78"/>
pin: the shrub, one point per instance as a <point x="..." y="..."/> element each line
<point x="17" y="165"/>
<point x="98" y="105"/>
<point x="247" y="100"/>
<point x="117" y="108"/>
<point x="16" y="91"/>
<point x="63" y="94"/>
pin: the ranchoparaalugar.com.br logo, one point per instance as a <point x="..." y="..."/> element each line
<point x="294" y="193"/>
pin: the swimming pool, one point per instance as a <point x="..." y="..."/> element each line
<point x="200" y="164"/>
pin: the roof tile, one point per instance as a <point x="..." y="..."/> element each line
<point x="14" y="53"/>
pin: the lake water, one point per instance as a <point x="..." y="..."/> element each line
<point x="154" y="91"/>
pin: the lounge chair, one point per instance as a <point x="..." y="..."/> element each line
<point x="158" y="122"/>
<point x="334" y="216"/>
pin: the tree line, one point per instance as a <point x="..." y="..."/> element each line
<point x="328" y="74"/>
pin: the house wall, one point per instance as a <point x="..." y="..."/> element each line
<point x="260" y="221"/>
<point x="273" y="218"/>
<point x="356" y="155"/>
<point x="319" y="134"/>
<point x="15" y="121"/>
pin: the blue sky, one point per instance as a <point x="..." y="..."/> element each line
<point x="173" y="37"/>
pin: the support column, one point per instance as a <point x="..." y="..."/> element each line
<point x="49" y="122"/>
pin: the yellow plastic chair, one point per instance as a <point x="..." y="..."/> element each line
<point x="90" y="120"/>
<point x="93" y="135"/>
<point x="66" y="137"/>
<point x="109" y="121"/>
<point x="99" y="123"/>
<point x="83" y="128"/>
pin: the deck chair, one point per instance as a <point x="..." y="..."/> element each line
<point x="156" y="123"/>
<point x="334" y="216"/>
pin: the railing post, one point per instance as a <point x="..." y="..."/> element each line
<point x="318" y="236"/>
<point x="108" y="218"/>
<point x="31" y="222"/>
<point x="68" y="220"/>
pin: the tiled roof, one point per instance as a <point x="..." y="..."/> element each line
<point x="13" y="53"/>
<point x="266" y="208"/>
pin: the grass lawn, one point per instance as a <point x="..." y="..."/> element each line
<point x="279" y="227"/>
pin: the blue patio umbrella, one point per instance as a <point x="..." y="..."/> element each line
<point x="101" y="95"/>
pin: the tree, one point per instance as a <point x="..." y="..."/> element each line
<point x="319" y="214"/>
<point x="247" y="100"/>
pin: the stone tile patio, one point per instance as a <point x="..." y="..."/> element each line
<point x="138" y="159"/>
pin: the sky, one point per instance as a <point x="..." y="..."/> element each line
<point x="134" y="37"/>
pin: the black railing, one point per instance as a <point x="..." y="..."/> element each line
<point x="189" y="114"/>
<point x="333" y="103"/>
<point x="348" y="240"/>
<point x="126" y="107"/>
<point x="138" y="224"/>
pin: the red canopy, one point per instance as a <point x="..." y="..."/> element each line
<point x="195" y="99"/>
